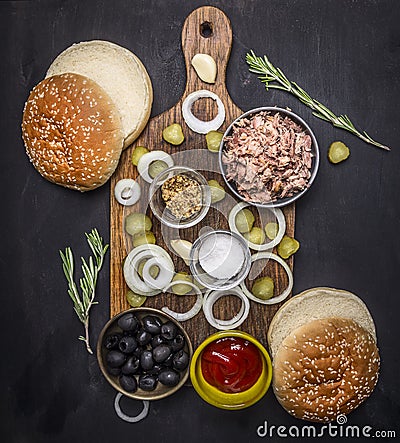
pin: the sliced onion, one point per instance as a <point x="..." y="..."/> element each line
<point x="129" y="418"/>
<point x="264" y="246"/>
<point x="132" y="278"/>
<point x="212" y="296"/>
<point x="127" y="191"/>
<point x="164" y="276"/>
<point x="285" y="293"/>
<point x="200" y="126"/>
<point x="150" y="157"/>
<point x="194" y="310"/>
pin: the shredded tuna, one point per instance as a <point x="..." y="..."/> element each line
<point x="268" y="157"/>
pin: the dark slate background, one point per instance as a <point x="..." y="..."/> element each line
<point x="345" y="53"/>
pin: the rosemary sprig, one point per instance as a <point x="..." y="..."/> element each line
<point x="275" y="78"/>
<point x="90" y="270"/>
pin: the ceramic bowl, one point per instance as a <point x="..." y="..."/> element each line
<point x="314" y="150"/>
<point x="112" y="327"/>
<point x="223" y="400"/>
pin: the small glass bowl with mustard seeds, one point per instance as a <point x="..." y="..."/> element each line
<point x="179" y="197"/>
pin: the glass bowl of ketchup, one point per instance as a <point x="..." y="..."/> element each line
<point x="231" y="370"/>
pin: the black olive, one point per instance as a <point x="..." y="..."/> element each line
<point x="168" y="362"/>
<point x="146" y="360"/>
<point x="113" y="371"/>
<point x="155" y="370"/>
<point x="131" y="366"/>
<point x="177" y="343"/>
<point x="115" y="359"/>
<point x="127" y="344"/>
<point x="152" y="324"/>
<point x="143" y="337"/>
<point x="180" y="360"/>
<point x="169" y="377"/>
<point x="161" y="353"/>
<point x="128" y="322"/>
<point x="169" y="330"/>
<point x="138" y="352"/>
<point x="147" y="382"/>
<point x="111" y="341"/>
<point x="157" y="340"/>
<point x="128" y="383"/>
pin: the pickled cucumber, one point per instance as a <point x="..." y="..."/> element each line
<point x="135" y="300"/>
<point x="137" y="153"/>
<point x="288" y="246"/>
<point x="181" y="288"/>
<point x="217" y="191"/>
<point x="137" y="223"/>
<point x="156" y="167"/>
<point x="244" y="220"/>
<point x="213" y="139"/>
<point x="153" y="271"/>
<point x="173" y="134"/>
<point x="143" y="238"/>
<point x="263" y="288"/>
<point x="256" y="235"/>
<point x="271" y="229"/>
<point x="338" y="152"/>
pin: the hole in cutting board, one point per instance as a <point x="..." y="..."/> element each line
<point x="206" y="29"/>
<point x="205" y="109"/>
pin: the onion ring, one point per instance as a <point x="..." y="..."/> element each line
<point x="264" y="246"/>
<point x="127" y="191"/>
<point x="164" y="276"/>
<point x="194" y="310"/>
<point x="199" y="126"/>
<point x="132" y="278"/>
<point x="212" y="296"/>
<point x="284" y="294"/>
<point x="129" y="418"/>
<point x="148" y="158"/>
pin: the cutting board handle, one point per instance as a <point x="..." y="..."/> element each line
<point x="206" y="30"/>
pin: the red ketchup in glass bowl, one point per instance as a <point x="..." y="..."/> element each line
<point x="231" y="364"/>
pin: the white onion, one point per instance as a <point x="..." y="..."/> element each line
<point x="200" y="126"/>
<point x="212" y="296"/>
<point x="128" y="418"/>
<point x="165" y="274"/>
<point x="285" y="293"/>
<point x="194" y="310"/>
<point x="127" y="191"/>
<point x="132" y="278"/>
<point x="264" y="246"/>
<point x="150" y="157"/>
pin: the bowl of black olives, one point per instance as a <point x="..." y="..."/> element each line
<point x="144" y="353"/>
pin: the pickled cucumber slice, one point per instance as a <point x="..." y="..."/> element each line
<point x="244" y="220"/>
<point x="288" y="246"/>
<point x="213" y="139"/>
<point x="271" y="229"/>
<point x="256" y="235"/>
<point x="137" y="153"/>
<point x="143" y="238"/>
<point x="217" y="191"/>
<point x="156" y="167"/>
<point x="135" y="300"/>
<point x="173" y="134"/>
<point x="338" y="152"/>
<point x="181" y="288"/>
<point x="263" y="288"/>
<point x="137" y="223"/>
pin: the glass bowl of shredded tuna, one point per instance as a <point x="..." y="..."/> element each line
<point x="269" y="157"/>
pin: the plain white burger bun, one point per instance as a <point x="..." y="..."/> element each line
<point x="314" y="304"/>
<point x="119" y="72"/>
<point x="72" y="131"/>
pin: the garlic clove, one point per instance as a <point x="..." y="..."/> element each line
<point x="205" y="67"/>
<point x="182" y="248"/>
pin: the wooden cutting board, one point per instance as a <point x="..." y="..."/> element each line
<point x="206" y="30"/>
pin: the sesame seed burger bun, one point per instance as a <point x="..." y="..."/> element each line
<point x="72" y="131"/>
<point x="325" y="368"/>
<point x="119" y="72"/>
<point x="313" y="304"/>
